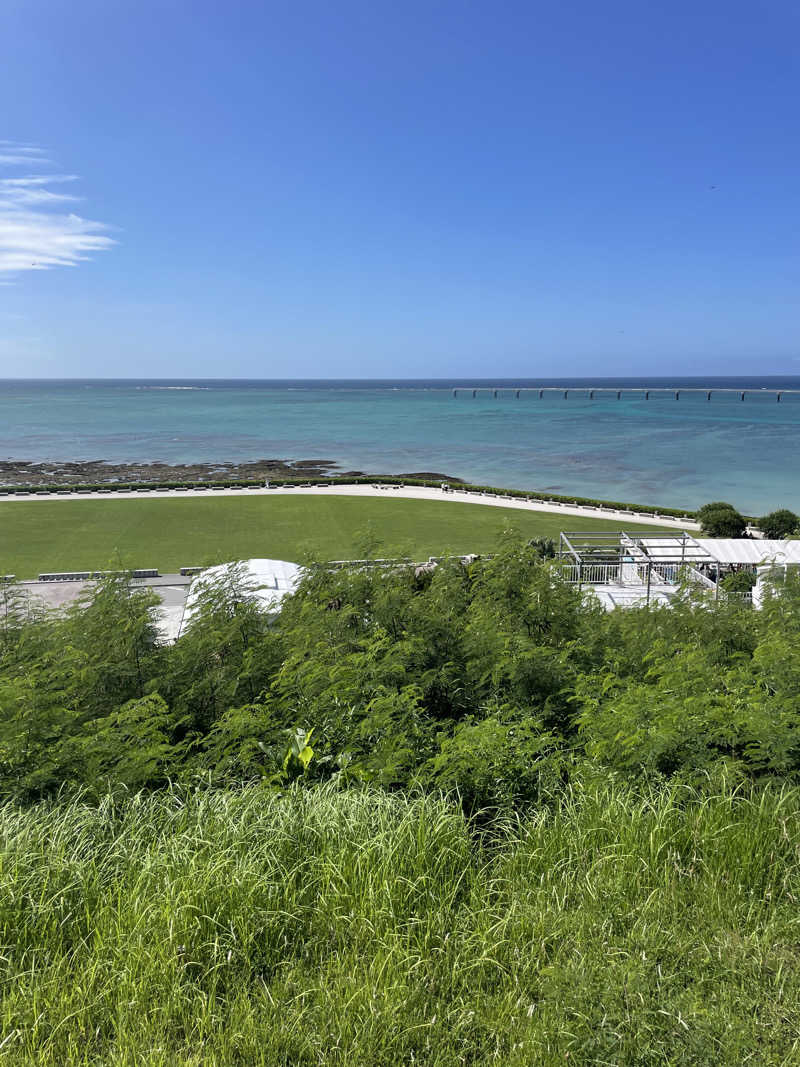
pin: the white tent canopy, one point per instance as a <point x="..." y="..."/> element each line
<point x="743" y="550"/>
<point x="723" y="550"/>
<point x="266" y="581"/>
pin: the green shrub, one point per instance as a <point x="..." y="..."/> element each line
<point x="779" y="524"/>
<point x="521" y="494"/>
<point x="721" y="520"/>
<point x="497" y="762"/>
<point x="487" y="678"/>
<point x="738" y="581"/>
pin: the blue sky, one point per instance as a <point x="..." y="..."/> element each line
<point x="374" y="189"/>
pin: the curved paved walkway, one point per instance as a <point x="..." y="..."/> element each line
<point x="408" y="492"/>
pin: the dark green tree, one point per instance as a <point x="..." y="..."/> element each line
<point x="721" y="520"/>
<point x="779" y="524"/>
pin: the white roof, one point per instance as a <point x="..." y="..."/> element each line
<point x="621" y="596"/>
<point x="267" y="581"/>
<point x="722" y="549"/>
<point x="743" y="550"/>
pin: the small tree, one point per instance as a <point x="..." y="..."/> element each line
<point x="739" y="581"/>
<point x="721" y="520"/>
<point x="14" y="610"/>
<point x="779" y="524"/>
<point x="545" y="546"/>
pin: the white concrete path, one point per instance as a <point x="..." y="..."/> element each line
<point x="408" y="492"/>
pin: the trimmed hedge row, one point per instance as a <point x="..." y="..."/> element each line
<point x="522" y="494"/>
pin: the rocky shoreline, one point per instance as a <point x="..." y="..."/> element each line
<point x="96" y="472"/>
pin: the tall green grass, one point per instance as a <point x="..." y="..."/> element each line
<point x="359" y="928"/>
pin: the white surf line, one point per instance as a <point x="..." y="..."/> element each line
<point x="408" y="492"/>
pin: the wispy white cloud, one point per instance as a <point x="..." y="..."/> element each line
<point x="13" y="153"/>
<point x="38" y="179"/>
<point x="12" y="158"/>
<point x="25" y="191"/>
<point x="36" y="230"/>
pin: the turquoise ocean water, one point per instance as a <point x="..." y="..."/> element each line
<point x="661" y="451"/>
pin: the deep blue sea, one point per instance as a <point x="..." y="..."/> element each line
<point x="662" y="451"/>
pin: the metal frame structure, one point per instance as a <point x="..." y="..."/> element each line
<point x="620" y="558"/>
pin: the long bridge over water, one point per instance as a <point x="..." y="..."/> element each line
<point x="647" y="391"/>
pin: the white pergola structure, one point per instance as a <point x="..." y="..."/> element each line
<point x="629" y="569"/>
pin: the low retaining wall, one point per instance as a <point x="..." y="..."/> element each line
<point x="85" y="576"/>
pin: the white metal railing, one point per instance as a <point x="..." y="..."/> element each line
<point x="591" y="573"/>
<point x="628" y="572"/>
<point x="699" y="577"/>
<point x="639" y="573"/>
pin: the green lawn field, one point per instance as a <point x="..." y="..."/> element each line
<point x="67" y="535"/>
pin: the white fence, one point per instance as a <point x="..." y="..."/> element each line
<point x="591" y="573"/>
<point x="633" y="572"/>
<point x="629" y="572"/>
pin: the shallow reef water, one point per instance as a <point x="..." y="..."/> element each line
<point x="661" y="450"/>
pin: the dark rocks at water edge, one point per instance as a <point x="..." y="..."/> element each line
<point x="97" y="472"/>
<point x="94" y="472"/>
